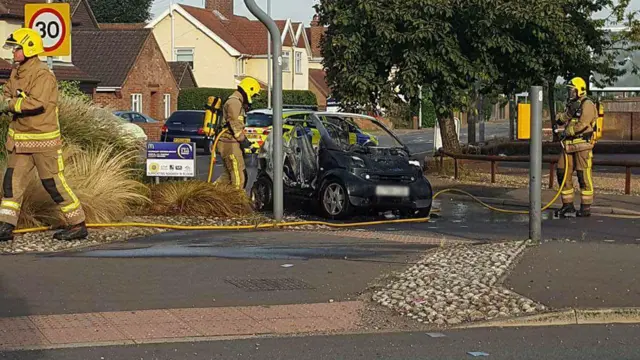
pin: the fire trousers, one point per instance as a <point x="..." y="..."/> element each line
<point x="581" y="162"/>
<point x="50" y="167"/>
<point x="235" y="172"/>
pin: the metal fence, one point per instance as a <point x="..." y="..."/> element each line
<point x="547" y="159"/>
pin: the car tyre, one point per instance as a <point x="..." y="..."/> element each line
<point x="262" y="194"/>
<point x="208" y="149"/>
<point x="333" y="200"/>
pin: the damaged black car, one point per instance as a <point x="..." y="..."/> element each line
<point x="344" y="163"/>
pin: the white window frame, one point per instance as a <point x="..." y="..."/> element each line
<point x="167" y="105"/>
<point x="240" y="67"/>
<point x="298" y="62"/>
<point x="136" y="102"/>
<point x="186" y="52"/>
<point x="286" y="60"/>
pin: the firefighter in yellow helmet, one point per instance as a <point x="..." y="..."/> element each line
<point x="232" y="143"/>
<point x="578" y="140"/>
<point x="30" y="96"/>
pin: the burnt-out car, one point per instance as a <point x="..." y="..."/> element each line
<point x="358" y="164"/>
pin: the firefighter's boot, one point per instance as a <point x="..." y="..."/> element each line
<point x="6" y="232"/>
<point x="585" y="211"/>
<point x="76" y="232"/>
<point x="567" y="210"/>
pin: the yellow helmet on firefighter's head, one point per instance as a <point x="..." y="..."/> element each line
<point x="251" y="88"/>
<point x="577" y="88"/>
<point x="26" y="39"/>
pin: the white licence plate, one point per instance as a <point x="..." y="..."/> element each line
<point x="395" y="191"/>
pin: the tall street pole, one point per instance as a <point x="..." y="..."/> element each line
<point x="535" y="170"/>
<point x="277" y="107"/>
<point x="269" y="60"/>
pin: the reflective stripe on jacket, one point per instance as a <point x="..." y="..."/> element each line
<point x="33" y="90"/>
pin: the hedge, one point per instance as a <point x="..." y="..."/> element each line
<point x="194" y="99"/>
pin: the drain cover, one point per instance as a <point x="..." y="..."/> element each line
<point x="270" y="284"/>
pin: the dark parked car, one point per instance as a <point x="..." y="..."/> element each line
<point x="135" y="117"/>
<point x="186" y="126"/>
<point x="343" y="173"/>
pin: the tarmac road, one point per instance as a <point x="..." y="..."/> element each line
<point x="549" y="343"/>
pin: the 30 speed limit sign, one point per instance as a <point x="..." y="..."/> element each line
<point x="53" y="23"/>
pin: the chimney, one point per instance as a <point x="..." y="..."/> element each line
<point x="225" y="7"/>
<point x="316" y="21"/>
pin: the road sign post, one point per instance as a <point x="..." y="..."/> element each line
<point x="53" y="23"/>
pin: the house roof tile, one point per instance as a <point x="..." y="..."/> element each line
<point x="314" y="34"/>
<point x="73" y="73"/>
<point x="319" y="79"/>
<point x="121" y="26"/>
<point x="5" y="65"/>
<point x="93" y="52"/>
<point x="246" y="36"/>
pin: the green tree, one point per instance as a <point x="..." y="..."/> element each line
<point x="460" y="50"/>
<point x="121" y="11"/>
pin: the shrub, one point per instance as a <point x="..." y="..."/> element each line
<point x="198" y="198"/>
<point x="194" y="99"/>
<point x="102" y="180"/>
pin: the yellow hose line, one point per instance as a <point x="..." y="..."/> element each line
<point x="315" y="223"/>
<point x="239" y="227"/>
<point x="213" y="154"/>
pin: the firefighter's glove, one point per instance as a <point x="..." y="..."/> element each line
<point x="4" y="104"/>
<point x="245" y="144"/>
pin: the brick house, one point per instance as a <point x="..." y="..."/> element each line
<point x="133" y="73"/>
<point x="12" y="18"/>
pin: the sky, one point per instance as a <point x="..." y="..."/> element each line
<point x="297" y="10"/>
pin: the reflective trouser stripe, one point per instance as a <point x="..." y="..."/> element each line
<point x="76" y="203"/>
<point x="10" y="204"/>
<point x="236" y="173"/>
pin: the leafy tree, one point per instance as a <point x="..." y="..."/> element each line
<point x="460" y="50"/>
<point x="121" y="11"/>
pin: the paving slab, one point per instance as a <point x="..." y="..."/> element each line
<point x="579" y="275"/>
<point x="167" y="325"/>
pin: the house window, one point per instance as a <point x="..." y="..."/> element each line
<point x="136" y="102"/>
<point x="185" y="55"/>
<point x="167" y="105"/>
<point x="240" y="66"/>
<point x="298" y="62"/>
<point x="286" y="60"/>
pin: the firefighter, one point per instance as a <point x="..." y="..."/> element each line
<point x="33" y="140"/>
<point x="578" y="140"/>
<point x="233" y="142"/>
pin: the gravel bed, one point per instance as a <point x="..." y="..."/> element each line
<point x="458" y="284"/>
<point x="43" y="241"/>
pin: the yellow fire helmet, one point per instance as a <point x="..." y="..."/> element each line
<point x="27" y="39"/>
<point x="251" y="87"/>
<point x="579" y="85"/>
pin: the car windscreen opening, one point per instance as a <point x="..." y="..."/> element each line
<point x="187" y="118"/>
<point x="259" y="120"/>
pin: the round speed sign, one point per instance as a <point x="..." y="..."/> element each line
<point x="51" y="26"/>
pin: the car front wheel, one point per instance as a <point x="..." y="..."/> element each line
<point x="334" y="200"/>
<point x="262" y="194"/>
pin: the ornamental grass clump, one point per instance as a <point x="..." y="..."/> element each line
<point x="198" y="198"/>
